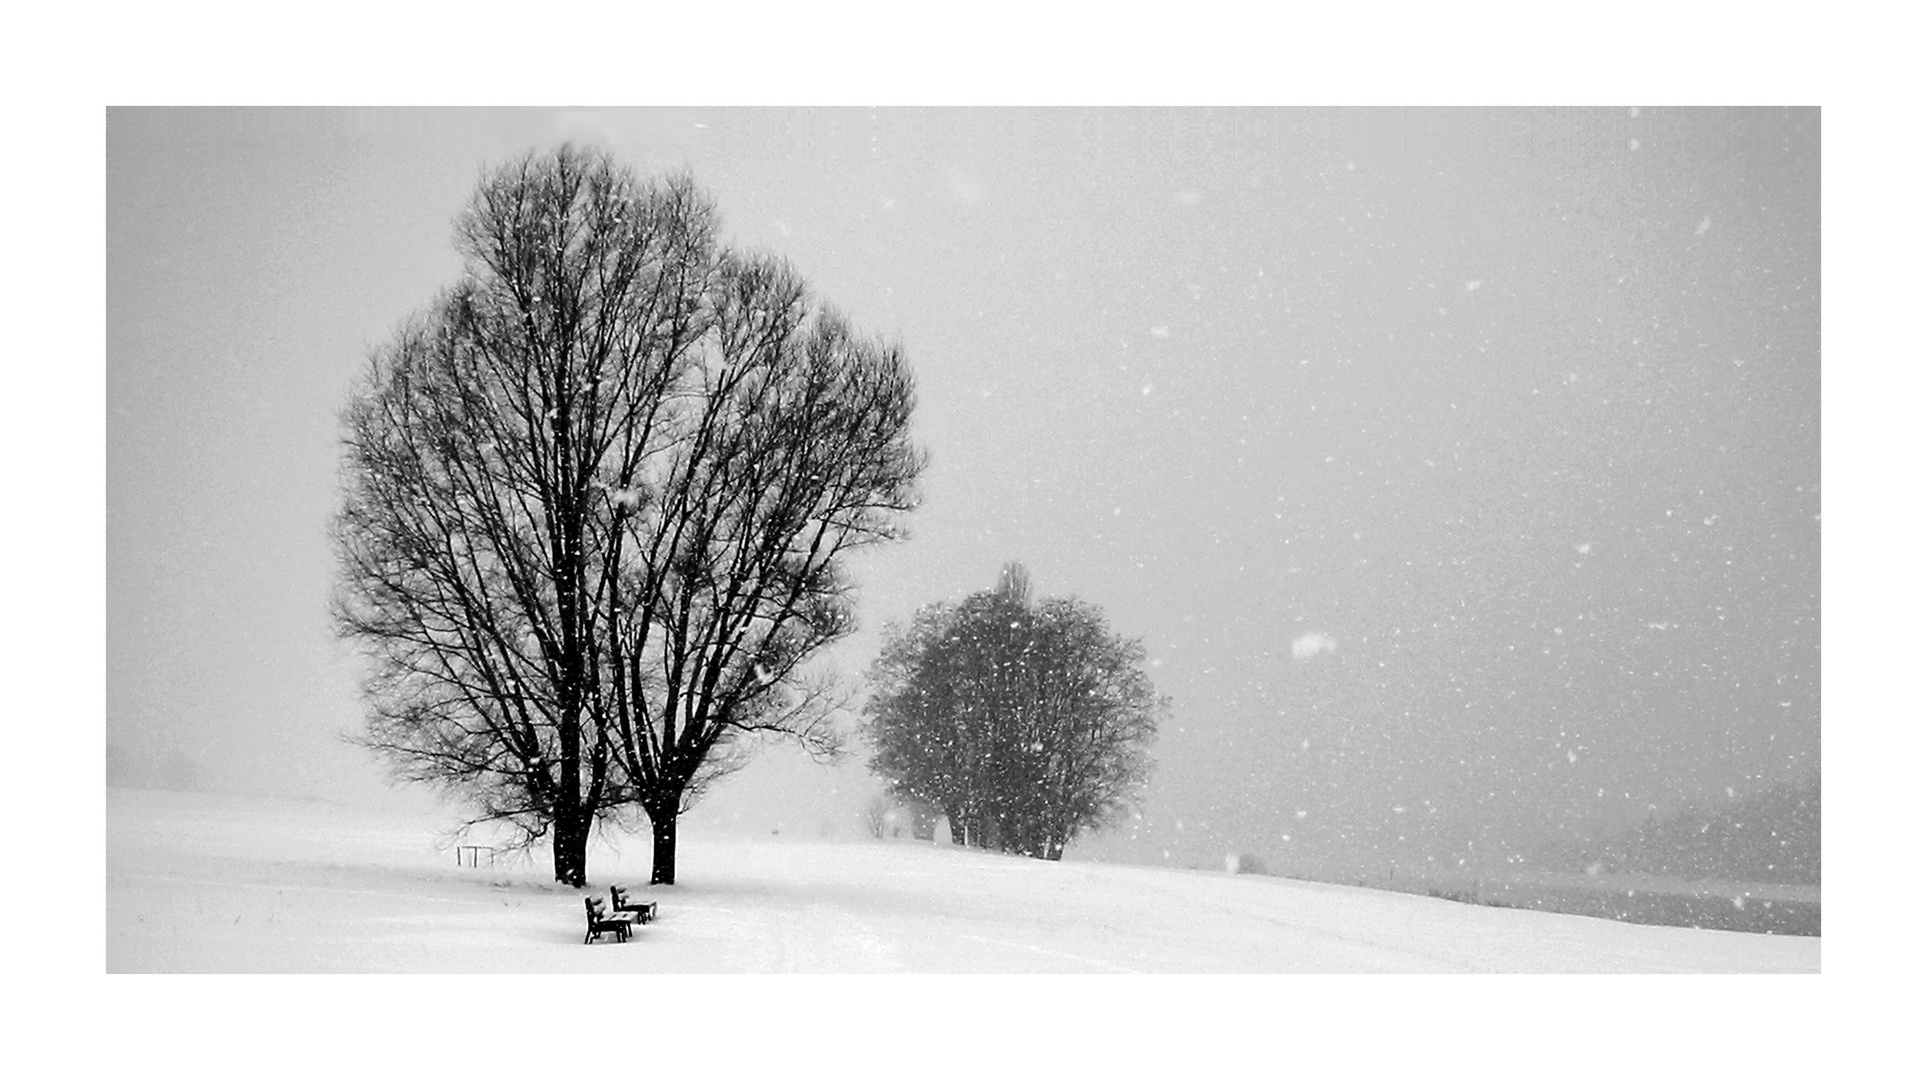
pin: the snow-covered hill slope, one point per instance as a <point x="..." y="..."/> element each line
<point x="226" y="883"/>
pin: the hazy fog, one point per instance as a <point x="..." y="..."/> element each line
<point x="1460" y="470"/>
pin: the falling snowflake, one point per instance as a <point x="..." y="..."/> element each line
<point x="1310" y="645"/>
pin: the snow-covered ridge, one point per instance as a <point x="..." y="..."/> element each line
<point x="200" y="882"/>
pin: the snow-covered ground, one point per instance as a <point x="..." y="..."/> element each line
<point x="217" y="883"/>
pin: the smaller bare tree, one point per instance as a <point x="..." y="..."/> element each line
<point x="1025" y="722"/>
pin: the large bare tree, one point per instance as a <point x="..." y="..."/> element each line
<point x="595" y="500"/>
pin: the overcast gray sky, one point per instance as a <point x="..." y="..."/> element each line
<point x="1507" y="420"/>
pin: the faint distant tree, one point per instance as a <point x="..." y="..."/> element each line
<point x="1024" y="722"/>
<point x="597" y="497"/>
<point x="1771" y="835"/>
<point x="876" y="816"/>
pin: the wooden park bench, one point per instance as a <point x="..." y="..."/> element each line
<point x="601" y="922"/>
<point x="619" y="900"/>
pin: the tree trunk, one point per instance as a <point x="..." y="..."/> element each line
<point x="571" y="849"/>
<point x="662" y="827"/>
<point x="959" y="835"/>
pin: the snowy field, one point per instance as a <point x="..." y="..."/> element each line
<point x="218" y="883"/>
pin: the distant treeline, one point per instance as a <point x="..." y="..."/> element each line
<point x="1769" y="836"/>
<point x="1665" y="907"/>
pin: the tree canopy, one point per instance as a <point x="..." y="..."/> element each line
<point x="1023" y="721"/>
